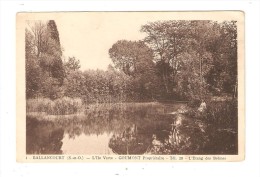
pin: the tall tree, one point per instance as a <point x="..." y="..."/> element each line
<point x="223" y="76"/>
<point x="135" y="59"/>
<point x="183" y="53"/>
<point x="32" y="67"/>
<point x="38" y="30"/>
<point x="167" y="40"/>
<point x="53" y="30"/>
<point x="43" y="52"/>
<point x="131" y="56"/>
<point x="57" y="69"/>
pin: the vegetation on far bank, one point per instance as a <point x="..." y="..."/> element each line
<point x="177" y="60"/>
<point x="61" y="106"/>
<point x="222" y="114"/>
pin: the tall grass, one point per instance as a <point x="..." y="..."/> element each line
<point x="223" y="113"/>
<point x="220" y="113"/>
<point x="61" y="106"/>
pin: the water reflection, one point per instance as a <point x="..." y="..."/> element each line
<point x="130" y="141"/>
<point x="90" y="144"/>
<point x="180" y="138"/>
<point x="43" y="137"/>
<point x="126" y="129"/>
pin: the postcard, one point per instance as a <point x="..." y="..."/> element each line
<point x="130" y="86"/>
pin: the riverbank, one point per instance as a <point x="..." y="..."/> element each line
<point x="223" y="112"/>
<point x="69" y="107"/>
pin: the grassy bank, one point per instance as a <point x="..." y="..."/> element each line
<point x="62" y="106"/>
<point x="71" y="106"/>
<point x="222" y="114"/>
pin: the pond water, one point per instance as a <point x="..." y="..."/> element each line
<point x="130" y="128"/>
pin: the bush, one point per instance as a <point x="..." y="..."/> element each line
<point x="194" y="103"/>
<point x="61" y="106"/>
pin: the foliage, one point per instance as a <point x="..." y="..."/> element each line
<point x="177" y="60"/>
<point x="106" y="86"/>
<point x="44" y="67"/>
<point x="194" y="58"/>
<point x="131" y="57"/>
<point x="135" y="59"/>
<point x="71" y="65"/>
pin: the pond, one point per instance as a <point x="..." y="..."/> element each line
<point x="128" y="128"/>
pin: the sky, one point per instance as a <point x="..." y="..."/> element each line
<point x="88" y="36"/>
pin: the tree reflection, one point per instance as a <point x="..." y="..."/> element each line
<point x="183" y="137"/>
<point x="43" y="137"/>
<point x="130" y="141"/>
<point x="135" y="129"/>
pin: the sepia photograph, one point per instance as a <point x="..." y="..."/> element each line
<point x="130" y="83"/>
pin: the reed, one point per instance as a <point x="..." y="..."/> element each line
<point x="223" y="113"/>
<point x="220" y="113"/>
<point x="61" y="106"/>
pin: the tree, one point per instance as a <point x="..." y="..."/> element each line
<point x="53" y="31"/>
<point x="167" y="40"/>
<point x="43" y="58"/>
<point x="33" y="76"/>
<point x="196" y="57"/>
<point x="223" y="76"/>
<point x="71" y="65"/>
<point x="74" y="84"/>
<point x="201" y="34"/>
<point x="135" y="59"/>
<point x="38" y="31"/>
<point x="128" y="56"/>
<point x="57" y="69"/>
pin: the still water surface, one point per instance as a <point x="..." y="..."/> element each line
<point x="137" y="128"/>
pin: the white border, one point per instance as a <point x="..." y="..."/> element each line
<point x="8" y="165"/>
